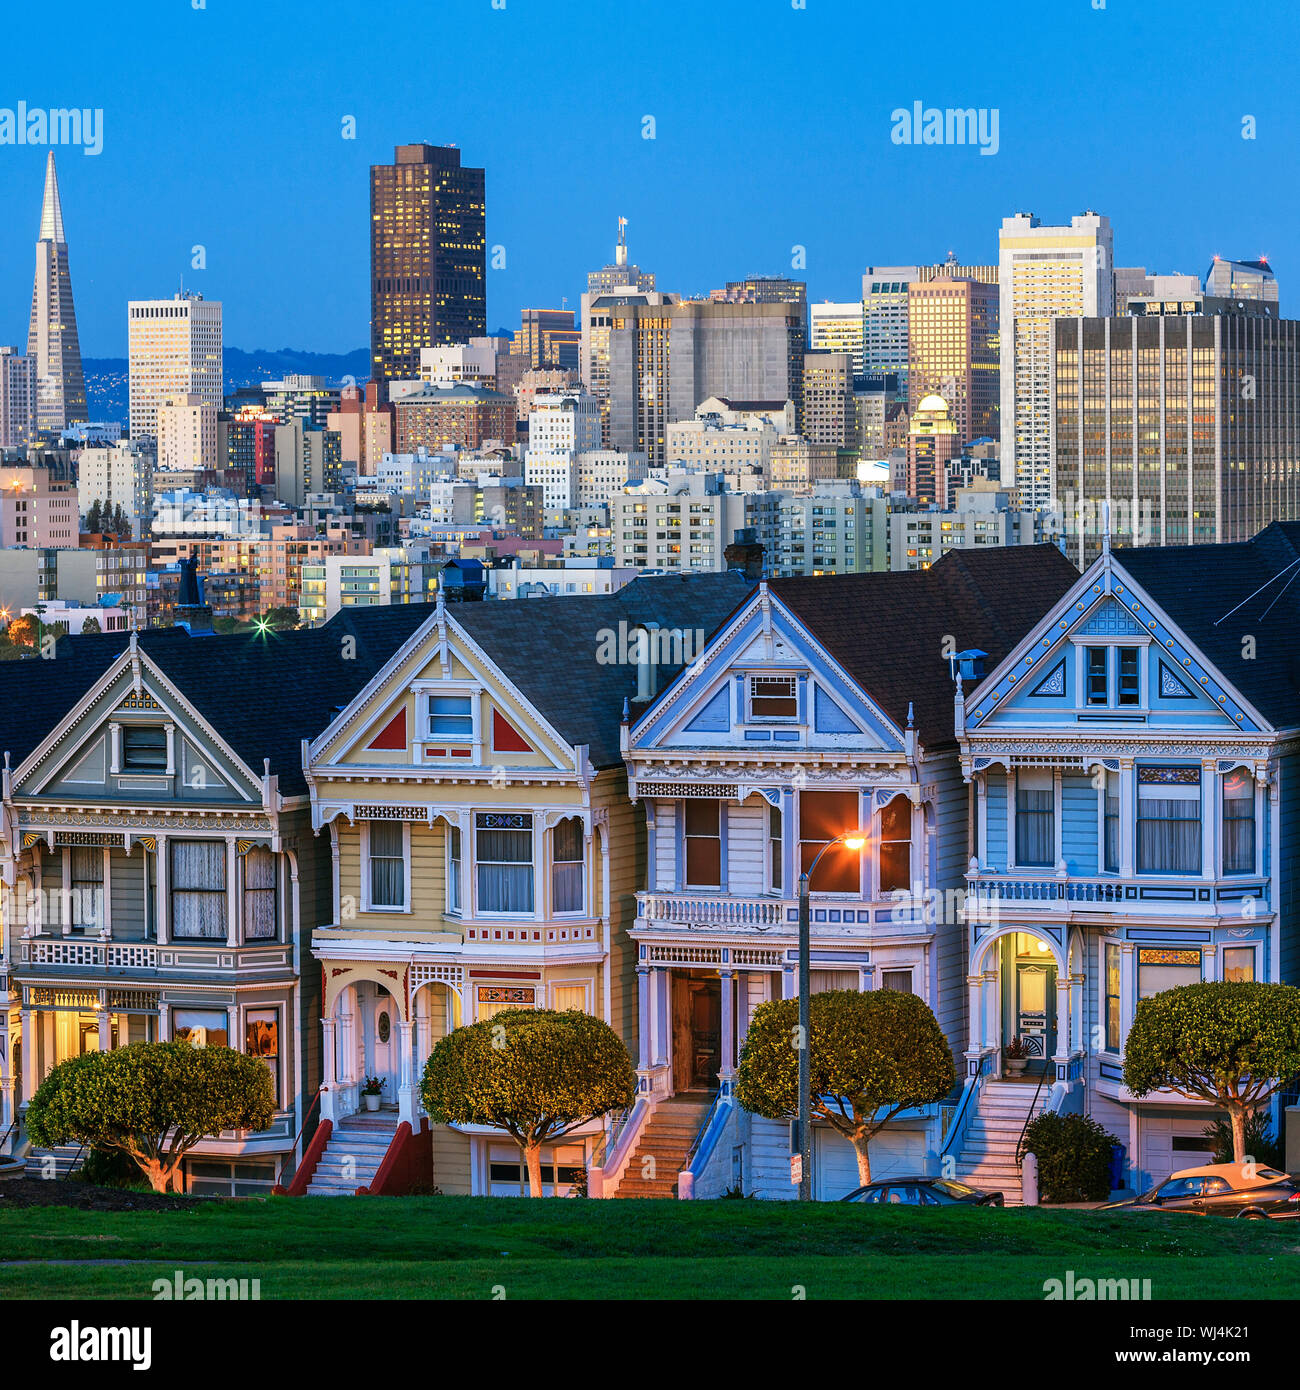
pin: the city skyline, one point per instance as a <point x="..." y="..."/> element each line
<point x="185" y="187"/>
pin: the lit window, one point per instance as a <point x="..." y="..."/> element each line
<point x="773" y="697"/>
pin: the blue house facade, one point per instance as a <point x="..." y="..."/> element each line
<point x="1133" y="766"/>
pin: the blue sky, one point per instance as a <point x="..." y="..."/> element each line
<point x="222" y="127"/>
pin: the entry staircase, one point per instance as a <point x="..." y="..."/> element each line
<point x="58" y="1162"/>
<point x="988" y="1155"/>
<point x="351" y="1157"/>
<point x="667" y="1139"/>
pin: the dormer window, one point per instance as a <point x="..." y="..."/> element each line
<point x="773" y="697"/>
<point x="1112" y="677"/>
<point x="144" y="748"/>
<point x="451" y="717"/>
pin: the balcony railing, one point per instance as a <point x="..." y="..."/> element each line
<point x="1195" y="895"/>
<point x="761" y="914"/>
<point x="149" y="956"/>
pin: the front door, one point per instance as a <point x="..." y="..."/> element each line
<point x="380" y="1042"/>
<point x="697" y="1032"/>
<point x="89" y="1035"/>
<point x="1035" y="1022"/>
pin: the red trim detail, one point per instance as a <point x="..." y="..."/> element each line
<point x="505" y="737"/>
<point x="393" y="735"/>
<point x="505" y="974"/>
<point x="307" y="1168"/>
<point x="407" y="1164"/>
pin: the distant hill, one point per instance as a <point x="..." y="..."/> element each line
<point x="108" y="391"/>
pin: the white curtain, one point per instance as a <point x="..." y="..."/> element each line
<point x="198" y="889"/>
<point x="259" y="894"/>
<point x="387" y="864"/>
<point x="505" y="870"/>
<point x="566" y="841"/>
<point x="88" y="888"/>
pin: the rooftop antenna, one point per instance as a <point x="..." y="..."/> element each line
<point x="620" y="250"/>
<point x="1272" y="580"/>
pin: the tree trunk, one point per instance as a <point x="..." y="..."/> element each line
<point x="860" y="1142"/>
<point x="533" y="1157"/>
<point x="160" y="1177"/>
<point x="1237" y="1114"/>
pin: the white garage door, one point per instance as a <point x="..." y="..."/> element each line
<point x="895" y="1153"/>
<point x="1172" y="1142"/>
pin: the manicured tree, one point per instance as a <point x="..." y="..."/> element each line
<point x="151" y="1101"/>
<point x="1232" y="1044"/>
<point x="873" y="1054"/>
<point x="536" y="1073"/>
<point x="91" y="625"/>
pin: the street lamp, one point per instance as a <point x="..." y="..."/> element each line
<point x="854" y="840"/>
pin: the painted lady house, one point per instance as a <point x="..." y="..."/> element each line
<point x="485" y="856"/>
<point x="161" y="878"/>
<point x="821" y="706"/>
<point x="1134" y="769"/>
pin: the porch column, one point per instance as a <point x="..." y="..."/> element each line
<point x="1209" y="962"/>
<point x="164" y="1032"/>
<point x="727" y="1071"/>
<point x="6" y="1086"/>
<point x="232" y="893"/>
<point x="1076" y="1013"/>
<point x="160" y="892"/>
<point x="742" y="1009"/>
<point x="662" y="1015"/>
<point x="105" y="1021"/>
<point x="975" y="1005"/>
<point x="405" y="1074"/>
<point x="30" y="1049"/>
<point x="643" y="1017"/>
<point x="1127" y="817"/>
<point x="992" y="1013"/>
<point x="329" y="1070"/>
<point x="1063" y="1019"/>
<point x="347" y="1049"/>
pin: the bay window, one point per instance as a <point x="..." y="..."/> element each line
<point x="87" y="867"/>
<point x="1238" y="823"/>
<point x="775" y="843"/>
<point x="259" y="894"/>
<point x="201" y="1027"/>
<point x="1110" y="823"/>
<point x="198" y="889"/>
<point x="703" y="844"/>
<point x="1112" y="997"/>
<point x="1169" y="820"/>
<point x="1238" y="964"/>
<point x="504" y="858"/>
<point x="567" y="865"/>
<point x="823" y="817"/>
<point x="896" y="845"/>
<point x="1165" y="967"/>
<point x="453" y="868"/>
<point x="262" y="1039"/>
<point x="1035" y="818"/>
<point x="386" y="856"/>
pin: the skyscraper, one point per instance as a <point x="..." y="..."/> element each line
<point x="548" y="338"/>
<point x="953" y="335"/>
<point x="17" y="398"/>
<point x="52" y="334"/>
<point x="428" y="257"/>
<point x="884" y="320"/>
<point x="175" y="350"/>
<point x="619" y="273"/>
<point x="837" y="328"/>
<point x="1043" y="273"/>
<point x="1241" y="280"/>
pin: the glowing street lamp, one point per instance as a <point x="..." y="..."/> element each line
<point x="856" y="841"/>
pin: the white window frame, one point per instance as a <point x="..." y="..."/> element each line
<point x="783" y="719"/>
<point x="582" y="984"/>
<point x="366" y="904"/>
<point x="276" y="1008"/>
<point x="581" y="910"/>
<point x="539" y="854"/>
<point x="1081" y="644"/>
<point x="425" y="691"/>
<point x="1221" y="956"/>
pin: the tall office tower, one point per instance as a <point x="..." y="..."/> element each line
<point x="52" y="334"/>
<point x="933" y="441"/>
<point x="301" y="397"/>
<point x="837" y="328"/>
<point x="548" y="338"/>
<point x="619" y="273"/>
<point x="952" y="269"/>
<point x="428" y="257"/>
<point x="174" y="347"/>
<point x="830" y="413"/>
<point x="884" y="320"/>
<point x="17" y="398"/>
<point x="952" y="327"/>
<point x="187" y="433"/>
<point x="1241" y="280"/>
<point x="1187" y="425"/>
<point x="665" y="359"/>
<point x="1044" y="273"/>
<point x="764" y="289"/>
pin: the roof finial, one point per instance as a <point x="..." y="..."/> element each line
<point x="911" y="722"/>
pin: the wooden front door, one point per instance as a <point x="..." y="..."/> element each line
<point x="697" y="1032"/>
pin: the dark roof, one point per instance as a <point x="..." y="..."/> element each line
<point x="753" y="405"/>
<point x="1199" y="586"/>
<point x="889" y="630"/>
<point x="548" y="646"/>
<point x="262" y="693"/>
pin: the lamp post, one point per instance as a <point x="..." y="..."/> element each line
<point x="854" y="840"/>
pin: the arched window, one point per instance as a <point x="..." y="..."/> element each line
<point x="566" y="865"/>
<point x="896" y="845"/>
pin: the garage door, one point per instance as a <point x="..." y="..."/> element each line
<point x="1172" y="1142"/>
<point x="895" y="1153"/>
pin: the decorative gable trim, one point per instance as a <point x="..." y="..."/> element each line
<point x="1171" y="687"/>
<point x="1053" y="683"/>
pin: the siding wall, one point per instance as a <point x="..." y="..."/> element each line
<point x="1079" y="823"/>
<point x="996" y="804"/>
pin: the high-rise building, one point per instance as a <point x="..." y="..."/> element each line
<point x="933" y="441"/>
<point x="952" y="269"/>
<point x="548" y="338"/>
<point x="619" y="274"/>
<point x="829" y="408"/>
<point x="765" y="289"/>
<point x="1187" y="426"/>
<point x="17" y="398"/>
<point x="952" y="327"/>
<point x="666" y="359"/>
<point x="884" y="320"/>
<point x="175" y="350"/>
<point x="52" y="333"/>
<point x="186" y="433"/>
<point x="1044" y="273"/>
<point x="301" y="397"/>
<point x="1241" y="280"/>
<point x="837" y="328"/>
<point x="428" y="257"/>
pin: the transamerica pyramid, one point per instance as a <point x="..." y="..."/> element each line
<point x="52" y="336"/>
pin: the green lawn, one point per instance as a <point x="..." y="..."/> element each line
<point x="481" y="1248"/>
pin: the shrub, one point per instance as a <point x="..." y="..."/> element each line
<point x="1073" y="1153"/>
<point x="1261" y="1144"/>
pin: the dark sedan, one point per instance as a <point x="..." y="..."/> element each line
<point x="923" y="1192"/>
<point x="1222" y="1189"/>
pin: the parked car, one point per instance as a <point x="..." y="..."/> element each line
<point x="923" y="1192"/>
<point x="1221" y="1189"/>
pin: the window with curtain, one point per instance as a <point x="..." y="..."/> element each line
<point x="387" y="856"/>
<point x="569" y="997"/>
<point x="900" y="980"/>
<point x="259" y="895"/>
<point x="495" y="999"/>
<point x="896" y="845"/>
<point x="703" y="829"/>
<point x="1035" y="819"/>
<point x="201" y="1027"/>
<point x="198" y="889"/>
<point x="87" y="888"/>
<point x="504" y="859"/>
<point x="1238" y="964"/>
<point x="1110" y="823"/>
<point x="1239" y="823"/>
<point x="1169" y="820"/>
<point x="821" y="981"/>
<point x="453" y="868"/>
<point x="774" y="847"/>
<point x="1161" y="968"/>
<point x="567" y="865"/>
<point x="823" y="817"/>
<point x="1112" y="998"/>
<point x="262" y="1039"/>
